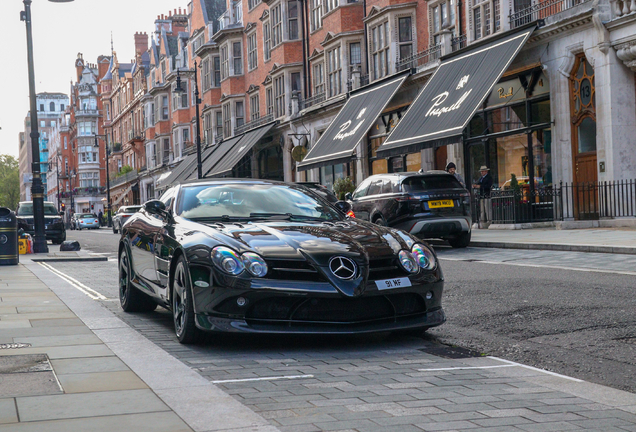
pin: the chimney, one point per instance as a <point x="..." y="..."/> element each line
<point x="141" y="42"/>
<point x="79" y="66"/>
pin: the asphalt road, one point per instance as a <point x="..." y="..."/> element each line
<point x="577" y="320"/>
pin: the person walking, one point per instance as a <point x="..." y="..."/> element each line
<point x="484" y="184"/>
<point x="100" y="216"/>
<point x="452" y="169"/>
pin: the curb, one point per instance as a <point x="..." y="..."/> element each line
<point x="63" y="259"/>
<point x="557" y="247"/>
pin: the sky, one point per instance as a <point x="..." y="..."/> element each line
<point x="60" y="31"/>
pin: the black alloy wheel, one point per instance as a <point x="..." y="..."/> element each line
<point x="183" y="306"/>
<point x="130" y="298"/>
<point x="379" y="220"/>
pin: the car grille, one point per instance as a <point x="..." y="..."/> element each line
<point x="325" y="310"/>
<point x="293" y="270"/>
<point x="385" y="268"/>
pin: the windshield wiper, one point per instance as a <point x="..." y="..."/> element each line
<point x="223" y="218"/>
<point x="284" y="216"/>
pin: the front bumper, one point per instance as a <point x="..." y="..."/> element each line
<point x="51" y="234"/>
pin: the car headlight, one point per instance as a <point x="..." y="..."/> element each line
<point x="227" y="260"/>
<point x="254" y="264"/>
<point x="424" y="256"/>
<point x="407" y="262"/>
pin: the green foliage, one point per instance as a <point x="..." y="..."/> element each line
<point x="124" y="170"/>
<point x="9" y="182"/>
<point x="342" y="186"/>
<point x="514" y="185"/>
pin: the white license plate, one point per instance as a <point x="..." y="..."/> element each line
<point x="393" y="283"/>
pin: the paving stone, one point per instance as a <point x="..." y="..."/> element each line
<point x="100" y="381"/>
<point x="60" y="340"/>
<point x="446" y="426"/>
<point x="86" y="365"/>
<point x="8" y="413"/>
<point x="548" y="427"/>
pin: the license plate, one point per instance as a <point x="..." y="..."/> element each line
<point x="393" y="283"/>
<point x="440" y="203"/>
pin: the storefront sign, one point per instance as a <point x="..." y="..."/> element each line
<point x="512" y="90"/>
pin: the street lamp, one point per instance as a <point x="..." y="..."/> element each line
<point x="37" y="190"/>
<point x="197" y="101"/>
<point x="110" y="217"/>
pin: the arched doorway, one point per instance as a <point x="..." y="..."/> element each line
<point x="583" y="120"/>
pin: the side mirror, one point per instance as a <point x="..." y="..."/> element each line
<point x="344" y="206"/>
<point x="155" y="207"/>
<point x="348" y="196"/>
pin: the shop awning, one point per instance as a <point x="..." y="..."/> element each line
<point x="454" y="93"/>
<point x="230" y="159"/>
<point x="185" y="165"/>
<point x="213" y="158"/>
<point x="338" y="143"/>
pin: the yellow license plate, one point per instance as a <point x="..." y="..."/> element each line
<point x="440" y="203"/>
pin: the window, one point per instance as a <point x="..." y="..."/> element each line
<point x="254" y="107"/>
<point x="86" y="128"/>
<point x="217" y="71"/>
<point x="41" y="107"/>
<point x="164" y="107"/>
<point x="205" y="73"/>
<point x="277" y="25"/>
<point x="319" y="79"/>
<point x="279" y="96"/>
<point x="166" y="150"/>
<point x="237" y="12"/>
<point x="65" y="143"/>
<point x="405" y="37"/>
<point x="225" y="63"/>
<point x="380" y="50"/>
<point x="486" y="18"/>
<point x="334" y="72"/>
<point x="330" y="5"/>
<point x="207" y="126"/>
<point x="443" y="17"/>
<point x="42" y="123"/>
<point x="52" y="106"/>
<point x="269" y="99"/>
<point x="53" y="124"/>
<point x="237" y="54"/>
<point x="239" y="111"/>
<point x="227" y="121"/>
<point x="252" y="57"/>
<point x="292" y="20"/>
<point x="355" y="57"/>
<point x="251" y="4"/>
<point x="180" y="100"/>
<point x="61" y="107"/>
<point x="219" y="123"/>
<point x="267" y="41"/>
<point x="295" y="82"/>
<point x="316" y="14"/>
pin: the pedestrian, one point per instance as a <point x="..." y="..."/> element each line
<point x="452" y="169"/>
<point x="100" y="216"/>
<point x="484" y="184"/>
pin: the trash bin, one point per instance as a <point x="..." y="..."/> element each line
<point x="8" y="237"/>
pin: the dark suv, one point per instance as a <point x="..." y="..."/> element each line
<point x="432" y="204"/>
<point x="54" y="228"/>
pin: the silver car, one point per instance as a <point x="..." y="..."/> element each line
<point x="122" y="216"/>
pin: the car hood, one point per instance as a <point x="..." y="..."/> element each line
<point x="29" y="219"/>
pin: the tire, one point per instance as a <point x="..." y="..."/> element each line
<point x="183" y="306"/>
<point x="114" y="229"/>
<point x="130" y="298"/>
<point x="461" y="241"/>
<point x="379" y="221"/>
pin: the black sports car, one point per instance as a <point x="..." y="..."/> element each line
<point x="241" y="255"/>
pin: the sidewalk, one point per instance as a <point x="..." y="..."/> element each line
<point x="68" y="364"/>
<point x="603" y="240"/>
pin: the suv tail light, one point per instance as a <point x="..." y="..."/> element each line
<point x="406" y="198"/>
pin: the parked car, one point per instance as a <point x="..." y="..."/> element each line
<point x="320" y="189"/>
<point x="430" y="204"/>
<point x="86" y="220"/>
<point x="54" y="228"/>
<point x="259" y="256"/>
<point x="73" y="221"/>
<point x="122" y="216"/>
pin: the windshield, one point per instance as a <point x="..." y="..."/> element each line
<point x="252" y="201"/>
<point x="88" y="216"/>
<point x="130" y="209"/>
<point x="424" y="183"/>
<point x="26" y="209"/>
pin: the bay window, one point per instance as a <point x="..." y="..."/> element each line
<point x="225" y="63"/>
<point x="239" y="113"/>
<point x="486" y="16"/>
<point x="334" y="72"/>
<point x="380" y="50"/>
<point x="292" y="20"/>
<point x="443" y="16"/>
<point x="237" y="56"/>
<point x="279" y="96"/>
<point x="267" y="41"/>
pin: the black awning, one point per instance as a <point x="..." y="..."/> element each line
<point x="352" y="123"/>
<point x="451" y="97"/>
<point x="229" y="161"/>
<point x="220" y="150"/>
<point x="177" y="172"/>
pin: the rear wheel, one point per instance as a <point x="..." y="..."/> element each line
<point x="131" y="299"/>
<point x="461" y="241"/>
<point x="183" y="305"/>
<point x="379" y="220"/>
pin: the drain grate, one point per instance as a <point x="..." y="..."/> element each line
<point x="451" y="352"/>
<point x="14" y="345"/>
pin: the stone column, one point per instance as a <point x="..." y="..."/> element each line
<point x="446" y="37"/>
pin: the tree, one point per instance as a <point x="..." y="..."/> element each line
<point x="9" y="182"/>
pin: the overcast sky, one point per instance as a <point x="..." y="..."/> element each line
<point x="60" y="31"/>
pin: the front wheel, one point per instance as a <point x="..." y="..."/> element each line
<point x="183" y="306"/>
<point x="114" y="229"/>
<point x="461" y="241"/>
<point x="130" y="298"/>
<point x="380" y="221"/>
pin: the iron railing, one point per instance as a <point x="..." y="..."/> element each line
<point x="364" y="80"/>
<point x="313" y="100"/>
<point x="254" y="124"/>
<point x="572" y="201"/>
<point x="541" y="10"/>
<point x="458" y="42"/>
<point x="128" y="177"/>
<point x="420" y="59"/>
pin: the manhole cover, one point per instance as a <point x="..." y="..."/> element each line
<point x="451" y="352"/>
<point x="14" y="345"/>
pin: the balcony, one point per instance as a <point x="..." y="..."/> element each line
<point x="126" y="178"/>
<point x="87" y="191"/>
<point x="458" y="43"/>
<point x="419" y="60"/>
<point x="254" y="124"/>
<point x="134" y="136"/>
<point x="542" y="10"/>
<point x="87" y="113"/>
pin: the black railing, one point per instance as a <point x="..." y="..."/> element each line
<point x="541" y="10"/>
<point x="313" y="100"/>
<point x="420" y="59"/>
<point x="573" y="201"/>
<point x="254" y="124"/>
<point x="364" y="80"/>
<point x="458" y="42"/>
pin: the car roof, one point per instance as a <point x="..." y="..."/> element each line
<point x="413" y="173"/>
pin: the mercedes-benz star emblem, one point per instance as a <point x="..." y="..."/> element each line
<point x="343" y="268"/>
<point x="3" y="239"/>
